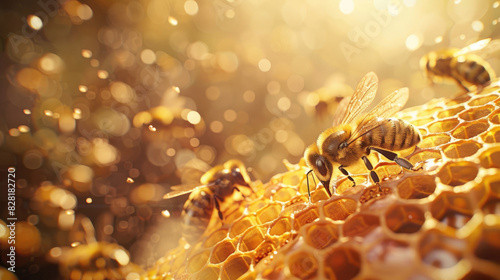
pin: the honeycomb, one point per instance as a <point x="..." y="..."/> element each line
<point x="440" y="222"/>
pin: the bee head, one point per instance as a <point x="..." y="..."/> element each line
<point x="321" y="167"/>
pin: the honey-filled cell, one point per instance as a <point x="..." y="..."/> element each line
<point x="321" y="234"/>
<point x="303" y="265"/>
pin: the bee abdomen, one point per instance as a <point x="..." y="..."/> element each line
<point x="394" y="135"/>
<point x="196" y="216"/>
<point x="473" y="72"/>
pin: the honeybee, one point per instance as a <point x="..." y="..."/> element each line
<point x="464" y="66"/>
<point x="217" y="184"/>
<point x="354" y="135"/>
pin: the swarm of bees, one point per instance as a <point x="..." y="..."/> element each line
<point x="217" y="184"/>
<point x="464" y="66"/>
<point x="354" y="135"/>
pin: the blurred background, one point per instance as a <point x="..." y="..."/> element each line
<point x="106" y="104"/>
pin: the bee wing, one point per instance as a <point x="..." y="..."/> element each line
<point x="192" y="171"/>
<point x="351" y="107"/>
<point x="385" y="109"/>
<point x="484" y="48"/>
<point x="180" y="190"/>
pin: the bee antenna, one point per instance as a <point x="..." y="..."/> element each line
<point x="307" y="178"/>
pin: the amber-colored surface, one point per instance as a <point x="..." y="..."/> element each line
<point x="442" y="221"/>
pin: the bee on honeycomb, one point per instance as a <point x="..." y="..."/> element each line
<point x="440" y="222"/>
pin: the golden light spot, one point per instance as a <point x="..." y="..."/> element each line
<point x="230" y="115"/>
<point x="212" y="93"/>
<point x="66" y="219"/>
<point x="194" y="142"/>
<point x="194" y="117"/>
<point x="81" y="173"/>
<point x="27" y="111"/>
<point x="14" y="132"/>
<point x="33" y="219"/>
<point x="86" y="53"/>
<point x="273" y="87"/>
<point x="94" y="63"/>
<point x="130" y="180"/>
<point x="197" y="50"/>
<point x="77" y="113"/>
<point x="312" y="99"/>
<point x="33" y="159"/>
<point x="83" y="88"/>
<point x="102" y="74"/>
<point x="34" y="22"/>
<point x="249" y="96"/>
<point x="163" y="114"/>
<point x="206" y="153"/>
<point x="264" y="65"/>
<point x="170" y="152"/>
<point x="438" y="39"/>
<point x="413" y="42"/>
<point x="84" y="12"/>
<point x="108" y="229"/>
<point x="75" y="244"/>
<point x="50" y="63"/>
<point x="191" y="7"/>
<point x="122" y="92"/>
<point x="496" y="4"/>
<point x="148" y="56"/>
<point x="230" y="13"/>
<point x="151" y="128"/>
<point x="216" y="126"/>
<point x="23" y="128"/>
<point x="165" y="213"/>
<point x="284" y="103"/>
<point x="346" y="6"/>
<point x="67" y="123"/>
<point x="133" y="276"/>
<point x="176" y="89"/>
<point x="28" y="239"/>
<point x="55" y="252"/>
<point x="173" y="21"/>
<point x="477" y="26"/>
<point x="228" y="61"/>
<point x="105" y="154"/>
<point x="88" y="200"/>
<point x="281" y="136"/>
<point x="142" y="118"/>
<point x="31" y="79"/>
<point x="121" y="257"/>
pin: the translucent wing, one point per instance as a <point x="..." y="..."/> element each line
<point x="182" y="189"/>
<point x="351" y="107"/>
<point x="385" y="109"/>
<point x="192" y="171"/>
<point x="483" y="48"/>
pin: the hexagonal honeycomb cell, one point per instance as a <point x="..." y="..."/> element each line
<point x="441" y="221"/>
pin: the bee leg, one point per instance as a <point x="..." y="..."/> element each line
<point x="460" y="84"/>
<point x="394" y="157"/>
<point x="345" y="172"/>
<point x="373" y="174"/>
<point x="217" y="206"/>
<point x="236" y="188"/>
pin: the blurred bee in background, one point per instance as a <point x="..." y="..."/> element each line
<point x="217" y="184"/>
<point x="323" y="101"/>
<point x="354" y="135"/>
<point x="465" y="66"/>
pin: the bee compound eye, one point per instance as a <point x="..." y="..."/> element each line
<point x="321" y="166"/>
